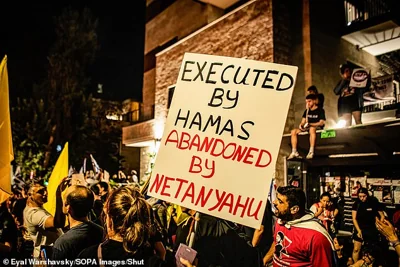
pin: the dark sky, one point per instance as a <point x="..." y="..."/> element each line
<point x="27" y="32"/>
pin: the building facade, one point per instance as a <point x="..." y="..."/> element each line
<point x="314" y="35"/>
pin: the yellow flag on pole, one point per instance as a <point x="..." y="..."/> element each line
<point x="60" y="171"/>
<point x="6" y="148"/>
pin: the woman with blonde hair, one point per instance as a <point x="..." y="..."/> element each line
<point x="130" y="232"/>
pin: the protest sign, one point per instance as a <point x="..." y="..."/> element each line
<point x="222" y="136"/>
<point x="359" y="78"/>
<point x="380" y="91"/>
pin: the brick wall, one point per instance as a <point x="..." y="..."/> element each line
<point x="131" y="159"/>
<point x="245" y="33"/>
<point x="178" y="20"/>
<point x="148" y="91"/>
<point x="140" y="132"/>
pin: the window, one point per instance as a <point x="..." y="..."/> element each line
<point x="171" y="90"/>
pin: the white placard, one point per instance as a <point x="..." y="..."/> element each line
<point x="359" y="78"/>
<point x="222" y="136"/>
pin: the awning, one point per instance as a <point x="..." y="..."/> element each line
<point x="374" y="143"/>
<point x="378" y="39"/>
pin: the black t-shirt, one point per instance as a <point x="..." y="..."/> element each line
<point x="366" y="212"/>
<point x="8" y="232"/>
<point x="315" y="115"/>
<point x="70" y="244"/>
<point x="114" y="250"/>
<point x="218" y="244"/>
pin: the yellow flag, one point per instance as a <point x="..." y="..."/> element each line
<point x="6" y="147"/>
<point x="60" y="171"/>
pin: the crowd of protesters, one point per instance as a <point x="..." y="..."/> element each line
<point x="106" y="224"/>
<point x="98" y="222"/>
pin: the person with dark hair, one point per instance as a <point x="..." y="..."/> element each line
<point x="103" y="190"/>
<point x="130" y="231"/>
<point x="371" y="257"/>
<point x="364" y="211"/>
<point x="325" y="212"/>
<point x="312" y="90"/>
<point x="300" y="240"/>
<point x="350" y="102"/>
<point x="42" y="227"/>
<point x="97" y="206"/>
<point x="8" y="234"/>
<point x="313" y="119"/>
<point x="83" y="233"/>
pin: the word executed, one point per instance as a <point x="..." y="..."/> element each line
<point x="213" y="72"/>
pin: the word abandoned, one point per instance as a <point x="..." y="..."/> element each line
<point x="211" y="199"/>
<point x="213" y="72"/>
<point x="219" y="148"/>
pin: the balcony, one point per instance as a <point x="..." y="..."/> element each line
<point x="358" y="11"/>
<point x="139" y="135"/>
<point x="371" y="25"/>
<point x="142" y="114"/>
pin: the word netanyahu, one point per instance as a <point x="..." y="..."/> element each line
<point x="209" y="198"/>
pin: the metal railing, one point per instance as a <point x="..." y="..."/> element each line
<point x="138" y="115"/>
<point x="385" y="105"/>
<point x="362" y="10"/>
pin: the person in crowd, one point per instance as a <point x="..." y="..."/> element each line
<point x="19" y="205"/>
<point x="312" y="90"/>
<point x="8" y="234"/>
<point x="343" y="254"/>
<point x="313" y="119"/>
<point x="364" y="211"/>
<point x="299" y="239"/>
<point x="130" y="230"/>
<point x="42" y="227"/>
<point x="261" y="238"/>
<point x="355" y="189"/>
<point x="371" y="257"/>
<point x="97" y="205"/>
<point x="223" y="243"/>
<point x="185" y="225"/>
<point x="134" y="178"/>
<point x="350" y="102"/>
<point x="325" y="211"/>
<point x="103" y="190"/>
<point x="82" y="233"/>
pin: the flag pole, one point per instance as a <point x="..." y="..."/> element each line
<point x="193" y="233"/>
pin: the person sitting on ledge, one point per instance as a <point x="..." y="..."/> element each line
<point x="313" y="120"/>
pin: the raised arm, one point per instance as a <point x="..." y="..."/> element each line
<point x="270" y="254"/>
